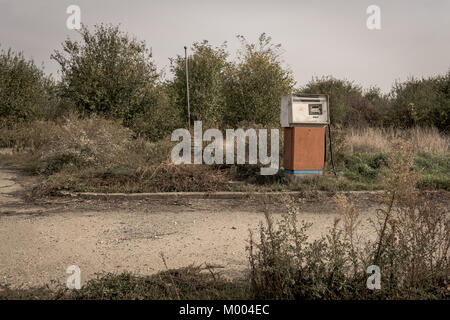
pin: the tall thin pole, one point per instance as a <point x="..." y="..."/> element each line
<point x="187" y="88"/>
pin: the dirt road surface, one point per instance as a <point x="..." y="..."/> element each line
<point x="40" y="239"/>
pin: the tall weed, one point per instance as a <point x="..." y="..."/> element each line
<point x="411" y="248"/>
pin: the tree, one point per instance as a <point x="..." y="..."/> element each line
<point x="108" y="73"/>
<point x="26" y="93"/>
<point x="206" y="76"/>
<point x="343" y="95"/>
<point x="254" y="85"/>
<point x="160" y="120"/>
<point x="423" y="102"/>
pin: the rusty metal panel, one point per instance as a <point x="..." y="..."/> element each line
<point x="288" y="148"/>
<point x="304" y="148"/>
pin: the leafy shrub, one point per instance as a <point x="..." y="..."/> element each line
<point x="254" y="85"/>
<point x="159" y="120"/>
<point x="422" y="102"/>
<point x="342" y="95"/>
<point x="415" y="102"/>
<point x="26" y="93"/>
<point x="206" y="80"/>
<point x="364" y="167"/>
<point x="111" y="74"/>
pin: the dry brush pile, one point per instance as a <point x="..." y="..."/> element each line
<point x="98" y="154"/>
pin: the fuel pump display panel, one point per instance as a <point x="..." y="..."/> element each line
<point x="315" y="109"/>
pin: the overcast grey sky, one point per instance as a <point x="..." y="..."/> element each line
<point x="320" y="37"/>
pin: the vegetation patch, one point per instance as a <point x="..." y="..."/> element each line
<point x="190" y="283"/>
<point x="411" y="250"/>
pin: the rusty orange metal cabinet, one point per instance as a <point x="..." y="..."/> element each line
<point x="304" y="150"/>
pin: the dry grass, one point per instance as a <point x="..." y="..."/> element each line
<point x="94" y="141"/>
<point x="96" y="154"/>
<point x="89" y="142"/>
<point x="379" y="139"/>
<point x="28" y="137"/>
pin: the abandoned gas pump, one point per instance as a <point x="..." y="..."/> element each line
<point x="305" y="119"/>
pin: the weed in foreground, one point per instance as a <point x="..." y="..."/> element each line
<point x="413" y="229"/>
<point x="411" y="248"/>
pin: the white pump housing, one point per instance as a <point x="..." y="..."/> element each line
<point x="304" y="109"/>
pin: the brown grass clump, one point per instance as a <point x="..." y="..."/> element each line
<point x="27" y="137"/>
<point x="168" y="177"/>
<point x="93" y="141"/>
<point x="88" y="142"/>
<point x="164" y="177"/>
<point x="100" y="155"/>
<point x="379" y="139"/>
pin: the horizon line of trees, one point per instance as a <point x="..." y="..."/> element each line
<point x="112" y="74"/>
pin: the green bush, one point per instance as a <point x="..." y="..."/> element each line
<point x="416" y="102"/>
<point x="26" y="93"/>
<point x="206" y="79"/>
<point x="362" y="167"/>
<point x="255" y="83"/>
<point x="112" y="74"/>
<point x="350" y="105"/>
<point x="422" y="102"/>
<point x="158" y="121"/>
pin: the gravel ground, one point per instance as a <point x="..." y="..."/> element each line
<point x="40" y="239"/>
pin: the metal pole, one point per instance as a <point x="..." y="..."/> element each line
<point x="187" y="88"/>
